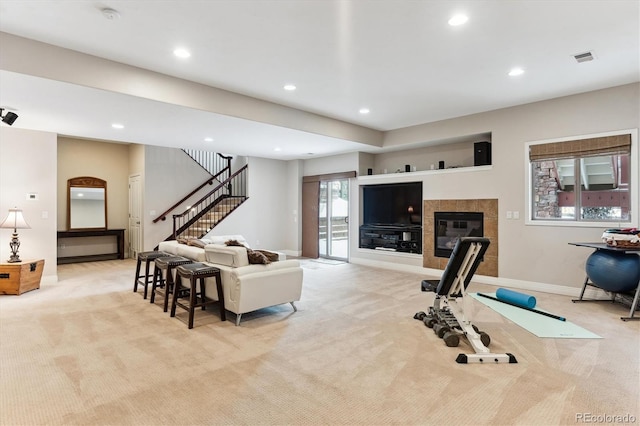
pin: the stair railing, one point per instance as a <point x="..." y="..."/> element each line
<point x="211" y="209"/>
<point x="222" y="164"/>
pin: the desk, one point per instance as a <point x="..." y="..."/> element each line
<point x="118" y="233"/>
<point x="636" y="296"/>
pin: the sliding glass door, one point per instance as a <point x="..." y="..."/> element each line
<point x="333" y="218"/>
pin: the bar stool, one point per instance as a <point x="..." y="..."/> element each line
<point x="193" y="272"/>
<point x="147" y="257"/>
<point x="168" y="264"/>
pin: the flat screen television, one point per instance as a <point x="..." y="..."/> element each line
<point x="392" y="204"/>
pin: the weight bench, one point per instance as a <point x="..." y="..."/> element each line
<point x="446" y="316"/>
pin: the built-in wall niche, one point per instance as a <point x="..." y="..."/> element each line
<point x="392" y="217"/>
<point x="459" y="152"/>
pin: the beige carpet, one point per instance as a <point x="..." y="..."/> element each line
<point x="89" y="351"/>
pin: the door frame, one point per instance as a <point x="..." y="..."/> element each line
<point x="133" y="251"/>
<point x="310" y="208"/>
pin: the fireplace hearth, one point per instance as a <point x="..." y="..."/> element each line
<point x="450" y="226"/>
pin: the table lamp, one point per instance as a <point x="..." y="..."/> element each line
<point x="15" y="221"/>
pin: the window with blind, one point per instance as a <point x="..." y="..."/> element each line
<point x="582" y="180"/>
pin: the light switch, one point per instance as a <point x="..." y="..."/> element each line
<point x="516" y="215"/>
<point x="45" y="214"/>
<point x="509" y="214"/>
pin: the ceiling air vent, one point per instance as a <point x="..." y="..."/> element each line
<point x="583" y="57"/>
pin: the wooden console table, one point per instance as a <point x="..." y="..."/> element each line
<point x="118" y="233"/>
<point x="20" y="277"/>
<point x="636" y="294"/>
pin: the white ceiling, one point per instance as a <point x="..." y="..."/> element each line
<point x="399" y="58"/>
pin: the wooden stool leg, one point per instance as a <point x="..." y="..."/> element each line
<point x="146" y="279"/>
<point x="203" y="288"/>
<point x="169" y="286"/>
<point x="192" y="299"/>
<point x="156" y="271"/>
<point x="135" y="282"/>
<point x="174" y="298"/>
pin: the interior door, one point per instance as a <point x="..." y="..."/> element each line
<point x="333" y="219"/>
<point x="135" y="216"/>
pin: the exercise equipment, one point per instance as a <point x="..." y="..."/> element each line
<point x="612" y="271"/>
<point x="446" y="317"/>
<point x="521" y="306"/>
<point x="516" y="298"/>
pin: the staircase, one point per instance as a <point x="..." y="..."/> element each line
<point x="211" y="218"/>
<point x="229" y="193"/>
<point x="213" y="208"/>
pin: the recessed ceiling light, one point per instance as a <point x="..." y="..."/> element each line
<point x="277" y="149"/>
<point x="208" y="139"/>
<point x="364" y="111"/>
<point x="290" y="87"/>
<point x="516" y="71"/>
<point x="182" y="53"/>
<point x="117" y="126"/>
<point x="110" y="14"/>
<point x="458" y="20"/>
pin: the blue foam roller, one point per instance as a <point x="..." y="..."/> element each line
<point x="520" y="299"/>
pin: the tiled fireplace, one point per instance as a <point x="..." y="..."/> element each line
<point x="489" y="210"/>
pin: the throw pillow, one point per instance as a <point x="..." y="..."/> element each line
<point x="196" y="243"/>
<point x="255" y="257"/>
<point x="182" y="240"/>
<point x="273" y="257"/>
<point x="234" y="243"/>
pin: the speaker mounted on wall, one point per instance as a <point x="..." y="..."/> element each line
<point x="482" y="153"/>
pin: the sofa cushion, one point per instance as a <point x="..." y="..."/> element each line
<point x="221" y="239"/>
<point x="191" y="252"/>
<point x="228" y="256"/>
<point x="170" y="247"/>
<point x="252" y="269"/>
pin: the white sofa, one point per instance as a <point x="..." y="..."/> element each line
<point x="247" y="287"/>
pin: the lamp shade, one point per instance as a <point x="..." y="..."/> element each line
<point x="15" y="220"/>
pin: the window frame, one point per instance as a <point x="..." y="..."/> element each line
<point x="634" y="185"/>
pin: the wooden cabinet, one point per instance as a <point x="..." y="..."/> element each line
<point x="20" y="277"/>
<point x="117" y="233"/>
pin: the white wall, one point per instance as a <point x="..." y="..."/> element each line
<point x="263" y="219"/>
<point x="293" y="224"/>
<point x="169" y="174"/>
<point x="539" y="254"/>
<point x="28" y="165"/>
<point x="333" y="164"/>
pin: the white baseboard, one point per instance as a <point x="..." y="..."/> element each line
<point x="590" y="292"/>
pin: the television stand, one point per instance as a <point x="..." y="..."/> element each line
<point x="392" y="237"/>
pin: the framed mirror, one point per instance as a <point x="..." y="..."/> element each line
<point x="86" y="203"/>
